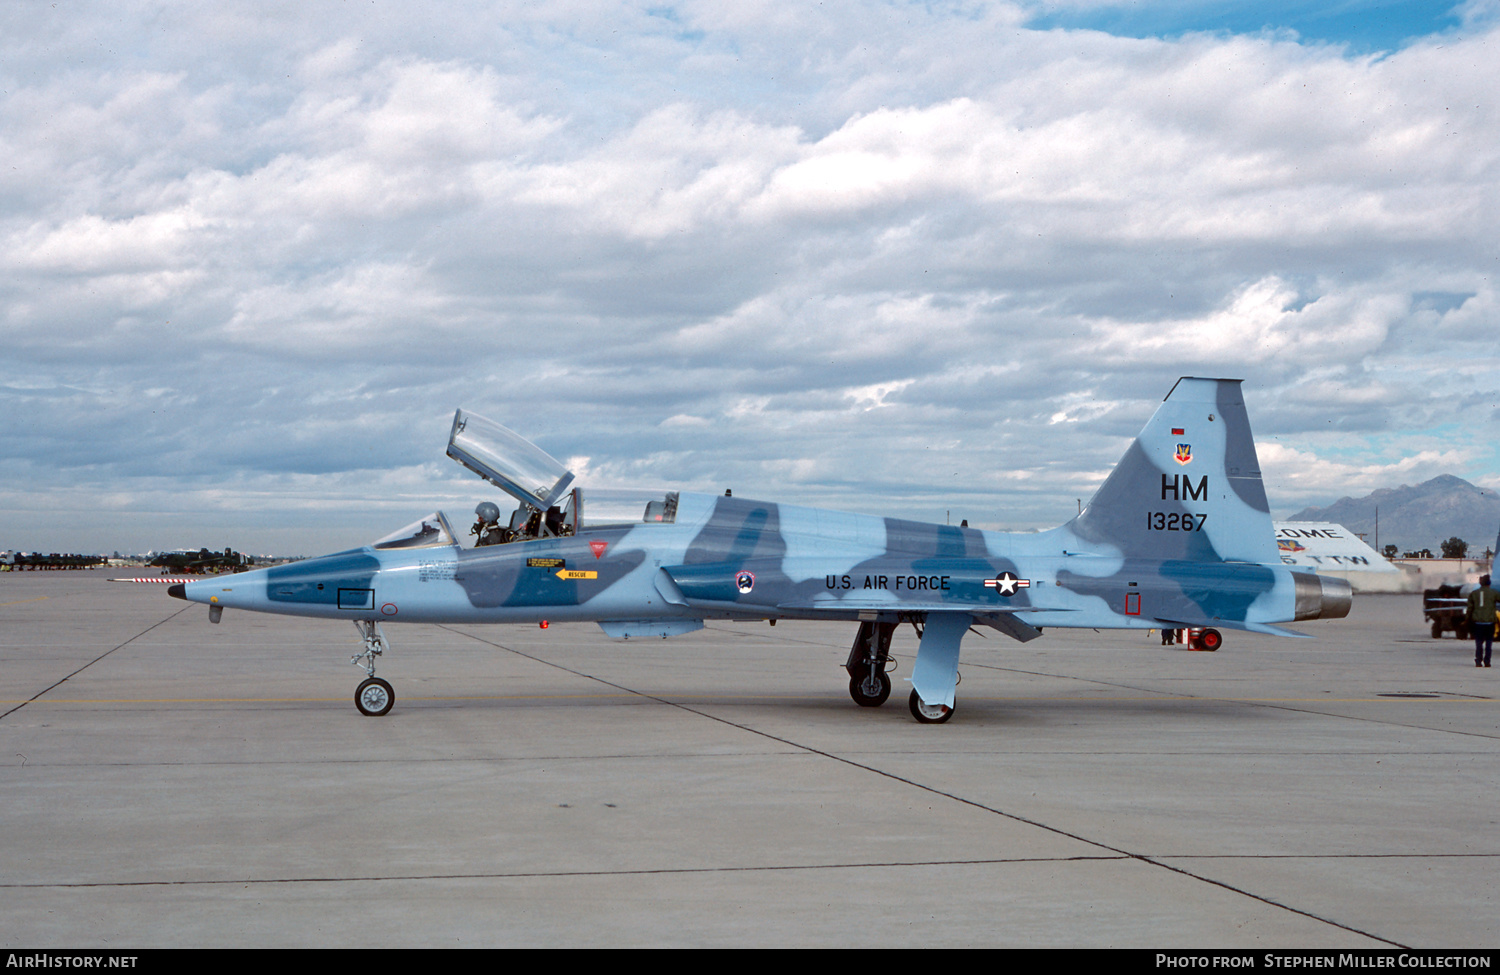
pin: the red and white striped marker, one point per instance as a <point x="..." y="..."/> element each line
<point x="163" y="580"/>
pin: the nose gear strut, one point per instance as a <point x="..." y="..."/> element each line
<point x="374" y="696"/>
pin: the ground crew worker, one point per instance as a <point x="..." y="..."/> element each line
<point x="1480" y="615"/>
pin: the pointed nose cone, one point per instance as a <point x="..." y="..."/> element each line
<point x="244" y="590"/>
<point x="196" y="591"/>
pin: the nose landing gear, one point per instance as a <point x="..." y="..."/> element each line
<point x="374" y="696"/>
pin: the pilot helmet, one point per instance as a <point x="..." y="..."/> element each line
<point x="487" y="511"/>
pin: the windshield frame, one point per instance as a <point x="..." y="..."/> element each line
<point x="414" y="536"/>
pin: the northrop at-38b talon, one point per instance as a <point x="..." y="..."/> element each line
<point x="1178" y="537"/>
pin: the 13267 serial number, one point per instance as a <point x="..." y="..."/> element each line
<point x="1175" y="521"/>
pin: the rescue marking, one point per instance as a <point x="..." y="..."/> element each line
<point x="576" y="574"/>
<point x="598" y="545"/>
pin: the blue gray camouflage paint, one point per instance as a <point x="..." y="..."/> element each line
<point x="1179" y="535"/>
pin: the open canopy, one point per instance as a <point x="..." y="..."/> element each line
<point x="507" y="460"/>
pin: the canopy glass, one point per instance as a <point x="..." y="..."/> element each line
<point x="507" y="460"/>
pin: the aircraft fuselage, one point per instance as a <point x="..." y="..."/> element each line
<point x="728" y="558"/>
<point x="1179" y="536"/>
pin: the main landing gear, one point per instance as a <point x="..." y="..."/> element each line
<point x="869" y="684"/>
<point x="869" y="680"/>
<point x="927" y="713"/>
<point x="374" y="696"/>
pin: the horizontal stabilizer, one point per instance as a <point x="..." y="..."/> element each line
<point x="1265" y="628"/>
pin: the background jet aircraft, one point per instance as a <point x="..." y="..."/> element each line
<point x="200" y="561"/>
<point x="1179" y="535"/>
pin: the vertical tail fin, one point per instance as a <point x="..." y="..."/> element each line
<point x="1189" y="486"/>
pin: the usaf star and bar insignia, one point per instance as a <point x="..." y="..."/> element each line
<point x="1006" y="583"/>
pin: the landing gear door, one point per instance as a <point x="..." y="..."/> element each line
<point x="507" y="460"/>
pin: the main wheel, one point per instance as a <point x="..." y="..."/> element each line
<point x="1437" y="630"/>
<point x="374" y="697"/>
<point x="870" y="690"/>
<point x="927" y="713"/>
<point x="1211" y="639"/>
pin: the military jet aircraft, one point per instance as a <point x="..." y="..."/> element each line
<point x="1178" y="536"/>
<point x="200" y="561"/>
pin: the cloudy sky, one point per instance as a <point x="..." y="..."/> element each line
<point x="904" y="258"/>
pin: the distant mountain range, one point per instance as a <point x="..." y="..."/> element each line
<point x="1421" y="516"/>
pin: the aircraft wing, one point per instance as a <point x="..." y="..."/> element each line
<point x="855" y="602"/>
<point x="712" y="585"/>
<point x="1002" y="619"/>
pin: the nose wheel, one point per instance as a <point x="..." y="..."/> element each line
<point x="374" y="697"/>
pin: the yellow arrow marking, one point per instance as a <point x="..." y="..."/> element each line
<point x="577" y="574"/>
